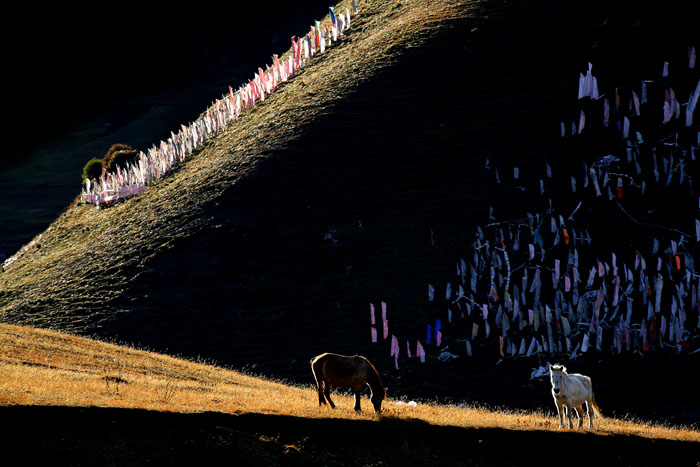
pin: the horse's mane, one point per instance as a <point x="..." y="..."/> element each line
<point x="558" y="367"/>
<point x="374" y="371"/>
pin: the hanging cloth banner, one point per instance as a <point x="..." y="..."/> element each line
<point x="533" y="346"/>
<point x="635" y="101"/>
<point x="420" y="352"/>
<point x="658" y="287"/>
<point x="585" y="343"/>
<point x="692" y="103"/>
<point x="596" y="310"/>
<point x="394" y="346"/>
<point x="565" y="325"/>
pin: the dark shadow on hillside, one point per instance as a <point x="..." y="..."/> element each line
<point x="98" y="436"/>
<point x="342" y="216"/>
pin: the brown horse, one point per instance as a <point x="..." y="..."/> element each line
<point x="333" y="370"/>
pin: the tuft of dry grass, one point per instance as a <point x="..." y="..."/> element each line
<point x="40" y="367"/>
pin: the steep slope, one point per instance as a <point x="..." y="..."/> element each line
<point x="221" y="251"/>
<point x="87" y="257"/>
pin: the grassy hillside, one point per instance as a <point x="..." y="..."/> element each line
<point x="266" y="247"/>
<point x="103" y="394"/>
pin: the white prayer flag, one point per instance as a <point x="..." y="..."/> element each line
<point x="533" y="346"/>
<point x="635" y="101"/>
<point x="585" y="343"/>
<point x="565" y="325"/>
<point x="692" y="103"/>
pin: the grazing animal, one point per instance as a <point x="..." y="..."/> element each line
<point x="570" y="391"/>
<point x="333" y="370"/>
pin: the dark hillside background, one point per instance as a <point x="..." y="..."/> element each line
<point x="77" y="80"/>
<point x="83" y="59"/>
<point x="344" y="214"/>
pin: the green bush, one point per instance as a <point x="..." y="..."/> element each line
<point x="93" y="169"/>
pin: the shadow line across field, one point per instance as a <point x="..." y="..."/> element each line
<point x="105" y="436"/>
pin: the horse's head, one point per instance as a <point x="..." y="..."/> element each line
<point x="556" y="373"/>
<point x="377" y="398"/>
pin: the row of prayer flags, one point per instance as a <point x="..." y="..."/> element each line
<point x="159" y="160"/>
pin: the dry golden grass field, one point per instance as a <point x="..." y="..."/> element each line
<point x="49" y="369"/>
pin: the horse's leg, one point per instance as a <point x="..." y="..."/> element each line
<point x="321" y="399"/>
<point x="579" y="415"/>
<point x="327" y="392"/>
<point x="358" y="395"/>
<point x="589" y="406"/>
<point x="569" y="408"/>
<point x="560" y="413"/>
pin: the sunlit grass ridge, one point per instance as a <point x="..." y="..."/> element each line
<point x="49" y="368"/>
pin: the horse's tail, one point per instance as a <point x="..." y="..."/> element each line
<point x="313" y="369"/>
<point x="596" y="409"/>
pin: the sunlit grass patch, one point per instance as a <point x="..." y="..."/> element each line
<point x="49" y="368"/>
